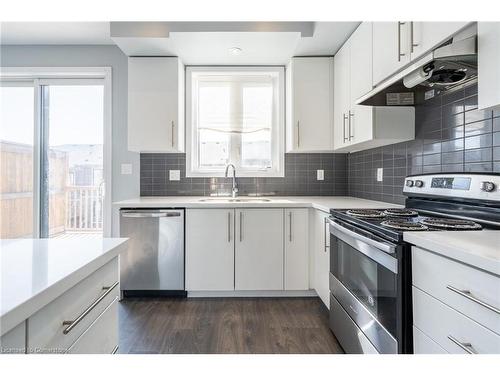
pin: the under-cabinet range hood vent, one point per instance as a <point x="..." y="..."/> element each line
<point x="453" y="63"/>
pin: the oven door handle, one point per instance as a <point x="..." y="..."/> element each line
<point x="366" y="246"/>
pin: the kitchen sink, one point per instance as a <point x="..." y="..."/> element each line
<point x="235" y="200"/>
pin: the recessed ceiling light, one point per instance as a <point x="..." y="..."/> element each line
<point x="235" y="51"/>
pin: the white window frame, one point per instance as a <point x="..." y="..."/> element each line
<point x="36" y="77"/>
<point x="277" y="140"/>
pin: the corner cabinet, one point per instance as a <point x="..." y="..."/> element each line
<point x="309" y="99"/>
<point x="155" y="104"/>
<point x="359" y="127"/>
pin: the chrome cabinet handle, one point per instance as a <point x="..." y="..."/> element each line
<point x="412" y="42"/>
<point x="73" y="323"/>
<point x="298" y="134"/>
<point x="229" y="226"/>
<point x="463" y="345"/>
<point x="173" y="126"/>
<point x="115" y="349"/>
<point x="351" y="114"/>
<point x="343" y="125"/>
<point x="399" y="40"/>
<point x="324" y="233"/>
<point x="290" y="227"/>
<point x="241" y="226"/>
<point x="467" y="294"/>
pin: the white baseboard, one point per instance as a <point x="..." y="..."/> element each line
<point x="253" y="293"/>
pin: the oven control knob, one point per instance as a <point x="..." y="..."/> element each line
<point x="409" y="183"/>
<point x="419" y="183"/>
<point x="487" y="186"/>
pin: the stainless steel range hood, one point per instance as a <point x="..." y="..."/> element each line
<point x="453" y="63"/>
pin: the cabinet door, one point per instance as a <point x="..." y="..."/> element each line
<point x="360" y="121"/>
<point x="322" y="256"/>
<point x="341" y="97"/>
<point x="424" y="36"/>
<point x="312" y="87"/>
<point x="390" y="49"/>
<point x="153" y="104"/>
<point x="297" y="249"/>
<point x="259" y="249"/>
<point x="209" y="249"/>
<point x="488" y="55"/>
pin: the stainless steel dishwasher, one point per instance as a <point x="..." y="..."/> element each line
<point x="154" y="262"/>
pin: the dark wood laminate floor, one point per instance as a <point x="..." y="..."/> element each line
<point x="225" y="325"/>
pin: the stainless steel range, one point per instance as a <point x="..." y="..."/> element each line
<point x="370" y="263"/>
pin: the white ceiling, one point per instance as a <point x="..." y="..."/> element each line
<point x="193" y="48"/>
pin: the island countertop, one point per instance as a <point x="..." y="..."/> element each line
<point x="34" y="272"/>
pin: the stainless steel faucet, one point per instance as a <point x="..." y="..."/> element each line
<point x="234" y="190"/>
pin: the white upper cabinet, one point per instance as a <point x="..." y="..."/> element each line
<point x="155" y="104"/>
<point x="424" y="36"/>
<point x="488" y="55"/>
<point x="390" y="49"/>
<point x="309" y="104"/>
<point x="396" y="44"/>
<point x="358" y="127"/>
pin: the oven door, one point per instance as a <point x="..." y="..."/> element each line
<point x="364" y="280"/>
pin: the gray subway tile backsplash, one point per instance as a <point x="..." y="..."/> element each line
<point x="470" y="142"/>
<point x="300" y="177"/>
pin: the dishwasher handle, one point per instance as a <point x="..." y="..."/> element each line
<point x="133" y="214"/>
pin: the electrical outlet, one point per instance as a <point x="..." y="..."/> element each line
<point x="174" y="175"/>
<point x="380" y="174"/>
<point x="320" y="174"/>
<point x="126" y="168"/>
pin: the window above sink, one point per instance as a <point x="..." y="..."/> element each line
<point x="235" y="115"/>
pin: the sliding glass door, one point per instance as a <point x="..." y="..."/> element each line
<point x="17" y="103"/>
<point x="54" y="175"/>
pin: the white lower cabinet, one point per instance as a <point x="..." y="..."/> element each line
<point x="14" y="341"/>
<point x="102" y="335"/>
<point x="258" y="261"/>
<point x="209" y="249"/>
<point x="248" y="249"/>
<point x="321" y="256"/>
<point x="296" y="249"/>
<point x="423" y="344"/>
<point x="455" y="305"/>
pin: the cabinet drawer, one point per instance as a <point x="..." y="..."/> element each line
<point x="102" y="335"/>
<point x="453" y="331"/>
<point x="464" y="288"/>
<point x="423" y="344"/>
<point x="46" y="332"/>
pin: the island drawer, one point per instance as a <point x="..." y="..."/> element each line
<point x="423" y="344"/>
<point x="55" y="327"/>
<point x="468" y="290"/>
<point x="451" y="330"/>
<point x="102" y="335"/>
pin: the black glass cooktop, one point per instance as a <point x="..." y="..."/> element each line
<point x="392" y="223"/>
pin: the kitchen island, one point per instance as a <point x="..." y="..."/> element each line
<point x="63" y="290"/>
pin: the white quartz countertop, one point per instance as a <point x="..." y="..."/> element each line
<point x="480" y="249"/>
<point x="34" y="272"/>
<point x="320" y="203"/>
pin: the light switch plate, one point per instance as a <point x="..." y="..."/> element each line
<point x="174" y="175"/>
<point x="320" y="174"/>
<point x="380" y="174"/>
<point x="126" y="168"/>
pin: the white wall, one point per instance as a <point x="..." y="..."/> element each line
<point x="126" y="186"/>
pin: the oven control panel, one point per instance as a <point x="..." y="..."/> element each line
<point x="463" y="185"/>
